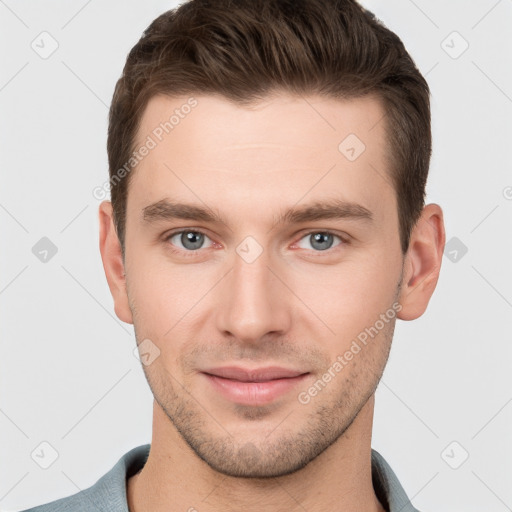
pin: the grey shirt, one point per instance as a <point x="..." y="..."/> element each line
<point x="108" y="494"/>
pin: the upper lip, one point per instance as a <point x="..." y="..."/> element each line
<point x="253" y="375"/>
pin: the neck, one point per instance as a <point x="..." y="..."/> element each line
<point x="174" y="478"/>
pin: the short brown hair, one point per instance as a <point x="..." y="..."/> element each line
<point x="246" y="49"/>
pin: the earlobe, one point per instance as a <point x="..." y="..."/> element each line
<point x="423" y="263"/>
<point x="111" y="255"/>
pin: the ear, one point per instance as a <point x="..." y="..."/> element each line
<point x="422" y="262"/>
<point x="110" y="249"/>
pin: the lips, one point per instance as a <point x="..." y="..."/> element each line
<point x="257" y="386"/>
<point x="256" y="375"/>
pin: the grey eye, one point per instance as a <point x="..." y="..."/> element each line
<point x="189" y="240"/>
<point x="320" y="240"/>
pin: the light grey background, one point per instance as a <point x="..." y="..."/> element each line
<point x="68" y="374"/>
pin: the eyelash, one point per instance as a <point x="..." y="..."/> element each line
<point x="192" y="253"/>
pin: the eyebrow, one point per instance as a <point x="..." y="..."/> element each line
<point x="319" y="210"/>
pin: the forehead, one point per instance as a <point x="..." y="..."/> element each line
<point x="280" y="149"/>
<point x="280" y="119"/>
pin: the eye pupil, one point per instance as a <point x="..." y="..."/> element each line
<point x="318" y="239"/>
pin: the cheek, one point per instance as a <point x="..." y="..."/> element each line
<point x="151" y="275"/>
<point x="166" y="298"/>
<point x="155" y="299"/>
<point x="350" y="296"/>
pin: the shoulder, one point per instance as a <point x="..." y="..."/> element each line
<point x="108" y="493"/>
<point x="387" y="486"/>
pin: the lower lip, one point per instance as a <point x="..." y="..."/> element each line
<point x="253" y="393"/>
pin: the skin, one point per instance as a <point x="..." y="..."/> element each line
<point x="294" y="306"/>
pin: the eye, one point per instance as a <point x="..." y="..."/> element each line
<point x="319" y="240"/>
<point x="190" y="240"/>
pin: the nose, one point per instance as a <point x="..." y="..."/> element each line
<point x="252" y="302"/>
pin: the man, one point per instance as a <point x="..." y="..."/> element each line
<point x="267" y="226"/>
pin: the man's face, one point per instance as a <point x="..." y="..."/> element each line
<point x="256" y="290"/>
